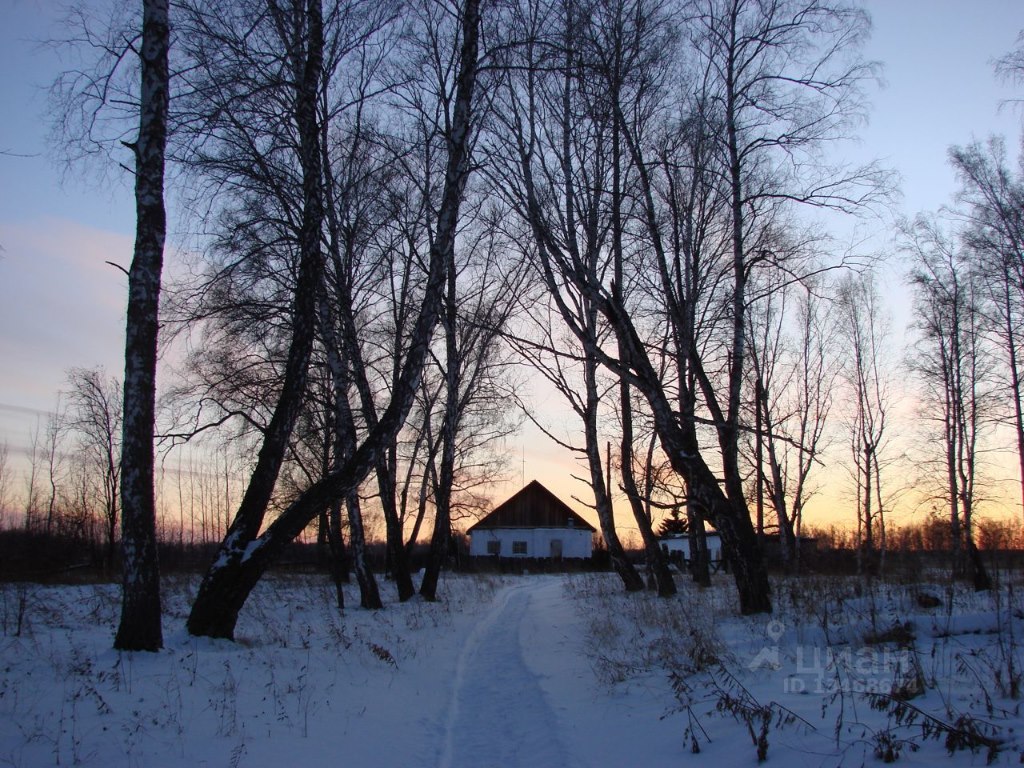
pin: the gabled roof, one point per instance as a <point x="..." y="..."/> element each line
<point x="533" y="507"/>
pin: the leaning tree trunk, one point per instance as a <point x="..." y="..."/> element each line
<point x="421" y="504"/>
<point x="659" y="563"/>
<point x="655" y="557"/>
<point x="729" y="514"/>
<point x="230" y="581"/>
<point x="443" y="487"/>
<point x="632" y="580"/>
<point x="139" y="628"/>
<point x="250" y="514"/>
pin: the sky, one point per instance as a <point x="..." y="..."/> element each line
<point x="61" y="304"/>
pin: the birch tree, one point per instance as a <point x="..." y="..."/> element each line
<point x="140" y="627"/>
<point x="5" y="484"/>
<point x="795" y="366"/>
<point x="228" y="583"/>
<point x="863" y="328"/>
<point x="952" y="363"/>
<point x="992" y="195"/>
<point x="94" y="416"/>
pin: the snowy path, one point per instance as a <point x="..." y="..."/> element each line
<point x="499" y="715"/>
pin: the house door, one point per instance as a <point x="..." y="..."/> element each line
<point x="556" y="549"/>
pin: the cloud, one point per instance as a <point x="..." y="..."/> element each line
<point x="61" y="305"/>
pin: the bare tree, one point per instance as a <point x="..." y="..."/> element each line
<point x="139" y="628"/>
<point x="559" y="355"/>
<point x="5" y="484"/>
<point x="480" y="297"/>
<point x="993" y="198"/>
<point x="952" y="363"/>
<point x="795" y="367"/>
<point x="228" y="583"/>
<point x="100" y="107"/>
<point x="32" y="479"/>
<point x="556" y="172"/>
<point x="623" y="56"/>
<point x="94" y="418"/>
<point x="55" y="428"/>
<point x="863" y="327"/>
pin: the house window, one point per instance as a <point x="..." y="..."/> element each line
<point x="494" y="547"/>
<point x="518" y="547"/>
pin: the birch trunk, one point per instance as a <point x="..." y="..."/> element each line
<point x="230" y="581"/>
<point x="140" y="628"/>
<point x="443" y="487"/>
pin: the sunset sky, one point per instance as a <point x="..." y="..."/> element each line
<point x="61" y="306"/>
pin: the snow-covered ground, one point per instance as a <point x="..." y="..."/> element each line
<point x="532" y="671"/>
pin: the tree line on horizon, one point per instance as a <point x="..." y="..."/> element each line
<point x="396" y="208"/>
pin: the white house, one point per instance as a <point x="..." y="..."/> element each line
<point x="677" y="545"/>
<point x="534" y="523"/>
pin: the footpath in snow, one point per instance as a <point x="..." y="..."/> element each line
<point x="499" y="715"/>
<point x="525" y="693"/>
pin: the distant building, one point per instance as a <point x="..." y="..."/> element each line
<point x="676" y="546"/>
<point x="534" y="523"/>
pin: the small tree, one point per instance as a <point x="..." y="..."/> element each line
<point x="863" y="328"/>
<point x="952" y="362"/>
<point x="94" y="417"/>
<point x="674" y="524"/>
<point x="5" y="484"/>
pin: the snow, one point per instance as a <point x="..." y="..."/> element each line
<point x="498" y="713"/>
<point x="537" y="670"/>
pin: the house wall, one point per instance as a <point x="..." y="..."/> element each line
<point x="683" y="545"/>
<point x="575" y="542"/>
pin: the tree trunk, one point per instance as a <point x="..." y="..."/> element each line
<point x="655" y="557"/>
<point x="344" y="447"/>
<point x="397" y="560"/>
<point x="728" y="514"/>
<point x="787" y="537"/>
<point x="421" y="507"/>
<point x="446" y="477"/>
<point x="231" y="580"/>
<point x="336" y="552"/>
<point x="982" y="581"/>
<point x="369" y="594"/>
<point x="632" y="580"/>
<point x="139" y="628"/>
<point x="250" y="514"/>
<point x="700" y="566"/>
